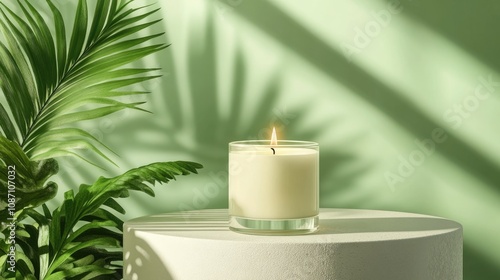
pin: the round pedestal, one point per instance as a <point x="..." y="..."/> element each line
<point x="350" y="244"/>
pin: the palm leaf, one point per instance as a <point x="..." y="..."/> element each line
<point x="83" y="237"/>
<point x="50" y="85"/>
<point x="70" y="246"/>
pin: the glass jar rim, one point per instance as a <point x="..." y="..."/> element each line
<point x="267" y="143"/>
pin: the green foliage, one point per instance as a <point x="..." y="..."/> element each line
<point x="50" y="85"/>
<point x="50" y="82"/>
<point x="32" y="188"/>
<point x="82" y="236"/>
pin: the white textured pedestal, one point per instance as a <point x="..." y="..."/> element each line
<point x="350" y="244"/>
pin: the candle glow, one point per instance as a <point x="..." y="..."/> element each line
<point x="274" y="138"/>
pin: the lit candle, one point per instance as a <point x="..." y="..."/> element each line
<point x="273" y="186"/>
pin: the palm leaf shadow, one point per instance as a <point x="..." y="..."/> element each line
<point x="401" y="110"/>
<point x="212" y="130"/>
<point x="408" y="116"/>
<point x="339" y="167"/>
<point x="480" y="45"/>
<point x="270" y="19"/>
<point x="202" y="132"/>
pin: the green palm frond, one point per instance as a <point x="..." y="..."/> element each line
<point x="89" y="200"/>
<point x="59" y="246"/>
<point x="50" y="84"/>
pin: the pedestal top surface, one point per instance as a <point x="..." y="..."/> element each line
<point x="336" y="225"/>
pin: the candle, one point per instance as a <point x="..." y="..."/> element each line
<point x="273" y="186"/>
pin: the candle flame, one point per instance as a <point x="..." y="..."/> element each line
<point x="274" y="139"/>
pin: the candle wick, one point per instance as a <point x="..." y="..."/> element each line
<point x="274" y="152"/>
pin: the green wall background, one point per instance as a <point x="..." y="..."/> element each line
<point x="370" y="81"/>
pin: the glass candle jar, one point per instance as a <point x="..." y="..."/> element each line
<point x="273" y="189"/>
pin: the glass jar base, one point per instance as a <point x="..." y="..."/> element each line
<point x="273" y="226"/>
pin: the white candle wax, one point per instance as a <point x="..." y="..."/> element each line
<point x="284" y="185"/>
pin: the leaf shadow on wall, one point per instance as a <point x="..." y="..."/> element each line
<point x="467" y="24"/>
<point x="196" y="125"/>
<point x="401" y="110"/>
